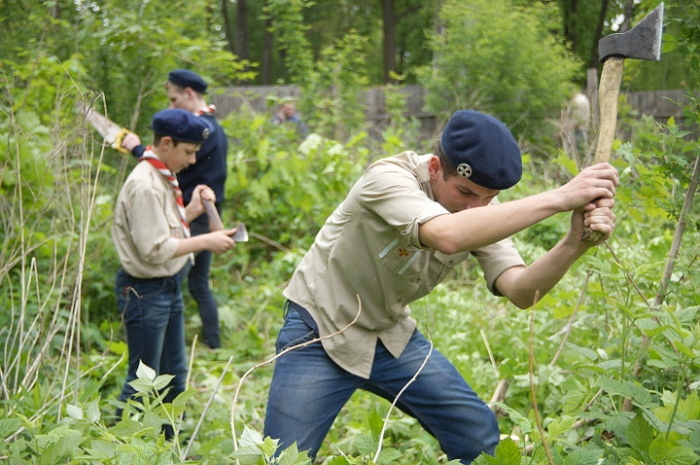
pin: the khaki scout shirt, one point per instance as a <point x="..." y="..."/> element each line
<point x="147" y="225"/>
<point x="369" y="247"/>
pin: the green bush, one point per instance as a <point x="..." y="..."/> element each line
<point x="502" y="60"/>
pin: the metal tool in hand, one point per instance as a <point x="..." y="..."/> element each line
<point x="241" y="234"/>
<point x="642" y="42"/>
<point x="112" y="132"/>
<point x="215" y="223"/>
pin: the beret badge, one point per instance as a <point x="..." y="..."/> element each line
<point x="464" y="170"/>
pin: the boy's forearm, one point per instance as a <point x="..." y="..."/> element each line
<point x="192" y="244"/>
<point x="524" y="286"/>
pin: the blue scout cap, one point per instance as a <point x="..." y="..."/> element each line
<point x="482" y="149"/>
<point x="181" y="125"/>
<point x="187" y="78"/>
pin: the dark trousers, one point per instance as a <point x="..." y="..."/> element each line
<point x="198" y="285"/>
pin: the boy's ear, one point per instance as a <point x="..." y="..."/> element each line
<point x="165" y="143"/>
<point x="434" y="167"/>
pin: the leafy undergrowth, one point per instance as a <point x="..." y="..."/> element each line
<point x="603" y="370"/>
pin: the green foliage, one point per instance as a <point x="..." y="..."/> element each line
<point x="284" y="188"/>
<point x="330" y="21"/>
<point x="256" y="450"/>
<point x="288" y="24"/>
<point x="128" y="55"/>
<point x="507" y="453"/>
<point x="499" y="59"/>
<point x="331" y="89"/>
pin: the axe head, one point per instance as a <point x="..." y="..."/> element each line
<point x="642" y="42"/>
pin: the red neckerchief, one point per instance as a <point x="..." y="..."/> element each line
<point x="150" y="157"/>
<point x="207" y="111"/>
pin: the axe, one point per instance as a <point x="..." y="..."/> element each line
<point x="642" y="42"/>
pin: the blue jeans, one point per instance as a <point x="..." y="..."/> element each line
<point x="198" y="285"/>
<point x="153" y="313"/>
<point x="308" y="390"/>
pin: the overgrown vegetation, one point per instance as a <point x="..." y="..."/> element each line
<point x="602" y="370"/>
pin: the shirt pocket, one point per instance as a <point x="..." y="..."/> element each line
<point x="174" y="223"/>
<point x="400" y="260"/>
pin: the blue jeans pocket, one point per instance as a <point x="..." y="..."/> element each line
<point x="294" y="332"/>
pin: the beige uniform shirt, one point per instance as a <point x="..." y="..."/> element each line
<point x="147" y="225"/>
<point x="369" y="247"/>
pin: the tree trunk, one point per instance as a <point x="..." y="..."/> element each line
<point x="570" y="28"/>
<point x="389" y="39"/>
<point x="593" y="63"/>
<point x="241" y="46"/>
<point x="629" y="13"/>
<point x="266" y="59"/>
<point x="230" y="41"/>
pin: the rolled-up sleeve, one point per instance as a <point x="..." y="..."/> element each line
<point x="391" y="193"/>
<point x="496" y="258"/>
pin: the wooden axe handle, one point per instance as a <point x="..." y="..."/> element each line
<point x="215" y="223"/>
<point x="610" y="80"/>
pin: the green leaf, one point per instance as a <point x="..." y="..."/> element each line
<point x="337" y="461"/>
<point x="144" y="372"/>
<point x="250" y="437"/>
<point x="292" y="456"/>
<point x="626" y="389"/>
<point x="183" y="397"/>
<point x="559" y="426"/>
<point x="516" y="417"/>
<point x="93" y="412"/>
<point x="507" y="453"/>
<point x="389" y="455"/>
<point x="584" y="457"/>
<point x="269" y="446"/>
<point x="127" y="428"/>
<point x="247" y="455"/>
<point x="688" y="408"/>
<point x="366" y="444"/>
<point x="142" y="385"/>
<point x="567" y="163"/>
<point x="74" y="412"/>
<point x="9" y="426"/>
<point x="585" y="351"/>
<point x="63" y="447"/>
<point x="376" y="423"/>
<point x="164" y="458"/>
<point x="668" y="453"/>
<point x="640" y="433"/>
<point x="100" y="449"/>
<point x="162" y="381"/>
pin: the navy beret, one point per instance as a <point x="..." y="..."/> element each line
<point x="187" y="78"/>
<point x="181" y="125"/>
<point x="482" y="149"/>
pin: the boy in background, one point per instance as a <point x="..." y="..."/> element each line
<point x="152" y="237"/>
<point x="187" y="90"/>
